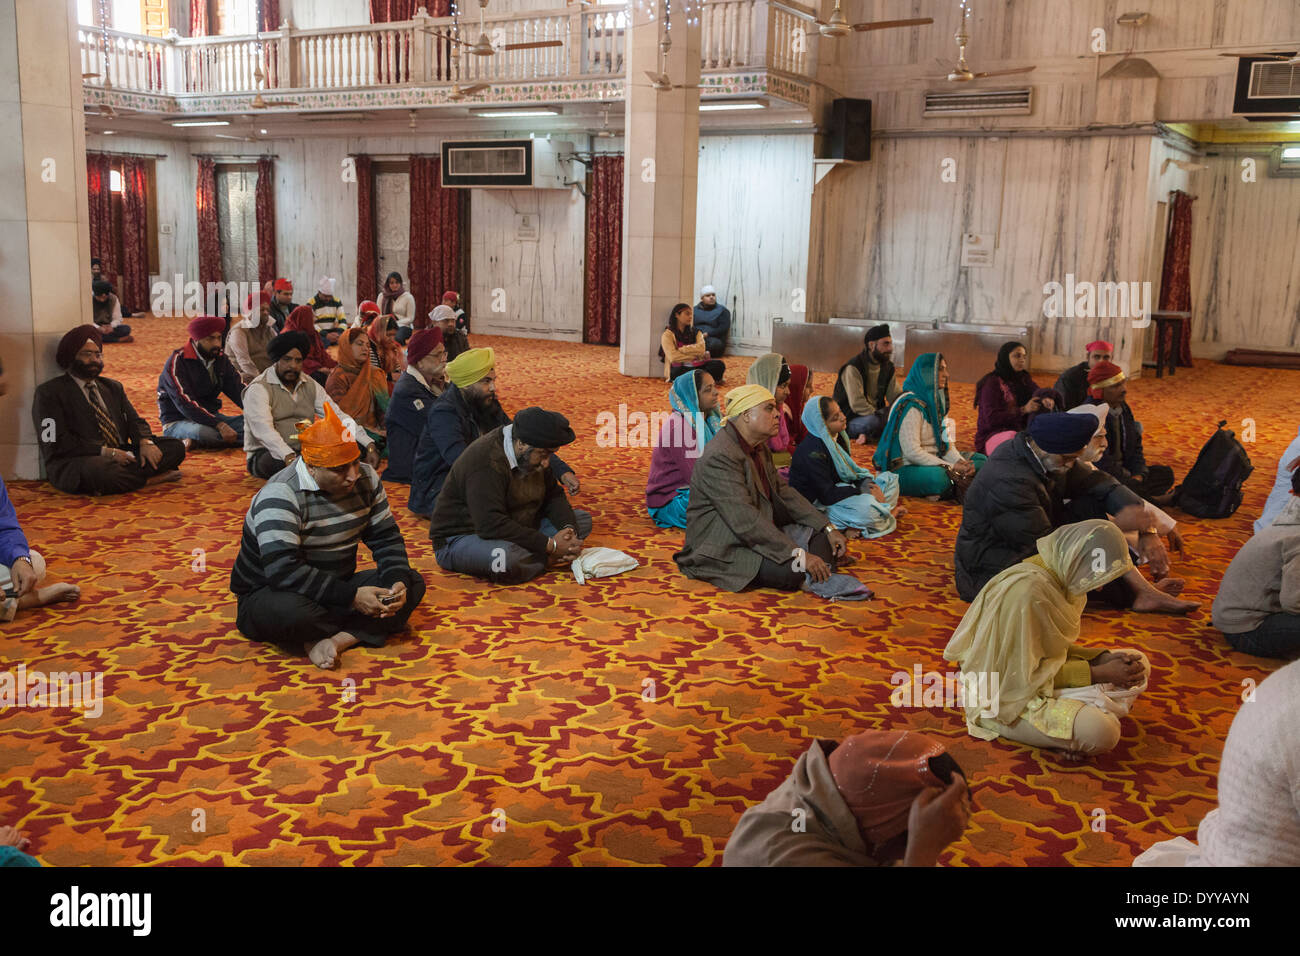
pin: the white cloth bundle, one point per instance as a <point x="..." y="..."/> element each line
<point x="601" y="563"/>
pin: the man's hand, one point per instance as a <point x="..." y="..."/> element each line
<point x="24" y="577"/>
<point x="226" y="432"/>
<point x="1047" y="403"/>
<point x="119" y="455"/>
<point x="839" y="543"/>
<point x="567" y="545"/>
<point x="1122" y="670"/>
<point x="397" y="591"/>
<point x="1176" y="541"/>
<point x="1153" y="549"/>
<point x="570" y="482"/>
<point x="372" y="455"/>
<point x="815" y="566"/>
<point x="367" y="601"/>
<point x="1031" y="406"/>
<point x="151" y="453"/>
<point x="937" y="819"/>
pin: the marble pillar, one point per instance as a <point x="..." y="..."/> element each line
<point x="659" y="186"/>
<point x="44" y="232"/>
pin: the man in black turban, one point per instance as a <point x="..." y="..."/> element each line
<point x="865" y="386"/>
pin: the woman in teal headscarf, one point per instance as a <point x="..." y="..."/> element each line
<point x="917" y="441"/>
<point x="682" y="437"/>
<point x="824" y="472"/>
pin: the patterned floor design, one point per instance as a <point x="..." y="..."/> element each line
<point x="627" y="721"/>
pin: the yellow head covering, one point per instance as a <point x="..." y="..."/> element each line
<point x="742" y="399"/>
<point x="469" y="367"/>
<point x="326" y="443"/>
<point x="1022" y="623"/>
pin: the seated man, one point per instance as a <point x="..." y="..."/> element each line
<point x="713" y="320"/>
<point x="106" y="312"/>
<point x="1281" y="493"/>
<point x="327" y="312"/>
<point x="413" y="395"/>
<point x="467" y="409"/>
<point x="1258" y="604"/>
<point x="296" y="576"/>
<point x="246" y="343"/>
<point x="282" y="303"/>
<point x="501" y="514"/>
<point x="190" y="387"/>
<point x="278" y="399"/>
<point x="455" y="339"/>
<point x="1021" y="494"/>
<point x="1124" y="459"/>
<point x="92" y="440"/>
<point x="879" y="798"/>
<point x="1072" y="385"/>
<point x="22" y="570"/>
<point x="745" y="527"/>
<point x="865" y="386"/>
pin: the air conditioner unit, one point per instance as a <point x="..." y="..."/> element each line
<point x="978" y="102"/>
<point x="506" y="164"/>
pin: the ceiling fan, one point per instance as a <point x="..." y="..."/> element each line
<point x="838" y="25"/>
<point x="605" y="132"/>
<point x="483" y="46"/>
<point x="110" y="112"/>
<point x="661" y="81"/>
<point x="459" y="92"/>
<point x="1291" y="59"/>
<point x="960" y="72"/>
<point x="258" y="102"/>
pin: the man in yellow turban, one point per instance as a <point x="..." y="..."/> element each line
<point x="465" y="411"/>
<point x="745" y="527"/>
<point x="296" y="579"/>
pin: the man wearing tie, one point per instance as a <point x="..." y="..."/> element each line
<point x="93" y="441"/>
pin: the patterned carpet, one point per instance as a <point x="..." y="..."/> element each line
<point x="521" y="726"/>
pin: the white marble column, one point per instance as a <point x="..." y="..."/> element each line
<point x="661" y="156"/>
<point x="44" y="232"/>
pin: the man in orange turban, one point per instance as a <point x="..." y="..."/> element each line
<point x="296" y="578"/>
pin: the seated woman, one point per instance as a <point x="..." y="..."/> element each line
<point x="317" y="362"/>
<point x="825" y="473"/>
<point x="773" y="374"/>
<point x="801" y="389"/>
<point x="385" y="353"/>
<point x="915" y="445"/>
<point x="358" y="387"/>
<point x="1017" y="641"/>
<point x="878" y="798"/>
<point x="682" y="437"/>
<point x="1007" y="398"/>
<point x="682" y="347"/>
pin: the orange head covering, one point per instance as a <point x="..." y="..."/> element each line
<point x="326" y="443"/>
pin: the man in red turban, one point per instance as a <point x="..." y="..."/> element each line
<point x="1124" y="458"/>
<point x="190" y="387"/>
<point x="1073" y="383"/>
<point x="415" y="392"/>
<point x="93" y="442"/>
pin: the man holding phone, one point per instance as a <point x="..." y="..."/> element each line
<point x="296" y="576"/>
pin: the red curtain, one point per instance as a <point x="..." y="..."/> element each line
<point x="1175" y="280"/>
<point x="135" y="233"/>
<point x="367" y="268"/>
<point x="270" y="16"/>
<point x="199" y="19"/>
<point x="391" y="11"/>
<point x="99" y="169"/>
<point x="205" y="201"/>
<point x="264" y="204"/>
<point x="436" y="262"/>
<point x="603" y="284"/>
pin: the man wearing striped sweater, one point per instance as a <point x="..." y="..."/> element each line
<point x="296" y="576"/>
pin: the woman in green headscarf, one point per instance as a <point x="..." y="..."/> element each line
<point x="1023" y="677"/>
<point x="917" y="441"/>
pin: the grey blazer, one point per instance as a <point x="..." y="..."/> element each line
<point x="729" y="526"/>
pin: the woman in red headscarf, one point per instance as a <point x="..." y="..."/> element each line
<point x="317" y="362"/>
<point x="801" y="389"/>
<point x="385" y="353"/>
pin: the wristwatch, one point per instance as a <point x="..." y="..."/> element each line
<point x="28" y="559"/>
<point x="829" y="528"/>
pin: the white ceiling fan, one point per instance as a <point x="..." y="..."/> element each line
<point x="483" y="45"/>
<point x="459" y="92"/>
<point x="605" y="132"/>
<point x="661" y="80"/>
<point x="960" y="71"/>
<point x="837" y="25"/>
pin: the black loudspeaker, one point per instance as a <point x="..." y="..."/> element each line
<point x="850" y="131"/>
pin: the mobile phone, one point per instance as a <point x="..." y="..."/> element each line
<point x="390" y="599"/>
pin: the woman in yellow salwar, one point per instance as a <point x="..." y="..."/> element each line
<point x="1017" y="640"/>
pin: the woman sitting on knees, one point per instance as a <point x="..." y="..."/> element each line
<point x="1007" y="398"/>
<point x="825" y="473"/>
<point x="1016" y="643"/>
<point x="915" y="444"/>
<point x="682" y="347"/>
<point x="682" y="437"/>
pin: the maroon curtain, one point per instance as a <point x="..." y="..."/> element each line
<point x="264" y="203"/>
<point x="367" y="268"/>
<point x="603" y="285"/>
<point x="99" y="171"/>
<point x="391" y="11"/>
<point x="135" y="233"/>
<point x="1175" y="280"/>
<point x="205" y="201"/>
<point x="270" y="19"/>
<point x="199" y="18"/>
<point x="436" y="262"/>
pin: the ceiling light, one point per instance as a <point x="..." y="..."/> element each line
<point x="210" y="122"/>
<point x="109" y="132"/>
<point x="263" y="132"/>
<point x="1291" y="153"/>
<point x="720" y="105"/>
<point x="488" y="114"/>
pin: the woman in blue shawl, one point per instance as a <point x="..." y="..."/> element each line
<point x="917" y="441"/>
<point x="682" y="437"/>
<point x="824" y="472"/>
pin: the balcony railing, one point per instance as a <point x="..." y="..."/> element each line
<point x="735" y="35"/>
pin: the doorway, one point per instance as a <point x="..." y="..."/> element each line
<point x="237" y="222"/>
<point x="393" y="223"/>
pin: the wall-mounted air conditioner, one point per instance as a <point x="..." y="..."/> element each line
<point x="506" y="164"/>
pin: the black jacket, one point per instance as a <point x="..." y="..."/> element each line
<point x="1123" y="458"/>
<point x="859" y="362"/>
<point x="61" y="411"/>
<point x="1013" y="502"/>
<point x="813" y="474"/>
<point x="1073" y="387"/>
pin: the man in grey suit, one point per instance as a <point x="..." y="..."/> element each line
<point x="745" y="527"/>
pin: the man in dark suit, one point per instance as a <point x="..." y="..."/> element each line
<point x="93" y="441"/>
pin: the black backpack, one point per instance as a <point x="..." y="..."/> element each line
<point x="1212" y="488"/>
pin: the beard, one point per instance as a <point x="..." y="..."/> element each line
<point x="87" y="370"/>
<point x="486" y="409"/>
<point x="206" y="355"/>
<point x="1090" y="454"/>
<point x="289" y="376"/>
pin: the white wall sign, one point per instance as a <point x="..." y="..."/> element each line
<point x="976" y="249"/>
<point x="526" y="226"/>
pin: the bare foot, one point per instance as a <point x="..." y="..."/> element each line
<point x="900" y="511"/>
<point x="50" y="594"/>
<point x="1171" y="586"/>
<point x="1073" y="756"/>
<point x="323" y="654"/>
<point x="164" y="477"/>
<point x="933" y="497"/>
<point x="860" y="440"/>
<point x="1154" y="601"/>
<point x="12" y="836"/>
